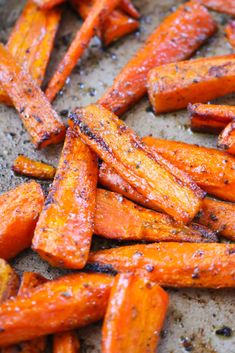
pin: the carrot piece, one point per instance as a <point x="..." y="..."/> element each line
<point x="29" y="281"/>
<point x="25" y="166"/>
<point x="41" y="121"/>
<point x="224" y="6"/>
<point x="226" y="140"/>
<point x="128" y="7"/>
<point x="230" y="32"/>
<point x="135" y="315"/>
<point x="210" y="118"/>
<point x="19" y="211"/>
<point x="66" y="342"/>
<point x="119" y="218"/>
<point x="166" y="186"/>
<point x="98" y="13"/>
<point x="63" y="304"/>
<point x="175" y="39"/>
<point x="48" y="4"/>
<point x="212" y="170"/>
<point x="173" y="264"/>
<point x="64" y="230"/>
<point x="9" y="281"/>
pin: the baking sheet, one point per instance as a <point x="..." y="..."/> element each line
<point x="194" y="315"/>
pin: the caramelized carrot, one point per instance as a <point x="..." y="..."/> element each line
<point x="212" y="170"/>
<point x="98" y="13"/>
<point x="135" y="315"/>
<point x="173" y="264"/>
<point x="210" y="118"/>
<point x="66" y="342"/>
<point x="48" y="4"/>
<point x="19" y="211"/>
<point x="66" y="303"/>
<point x="119" y="218"/>
<point x="169" y="188"/>
<point x="226" y="140"/>
<point x="174" y="86"/>
<point x="175" y="39"/>
<point x="64" y="230"/>
<point x="230" y="32"/>
<point x="25" y="166"/>
<point x="41" y="121"/>
<point x="225" y="6"/>
<point x="9" y="281"/>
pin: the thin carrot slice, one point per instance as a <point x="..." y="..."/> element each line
<point x="173" y="264"/>
<point x="135" y="315"/>
<point x="175" y="39"/>
<point x="169" y="188"/>
<point x="19" y="211"/>
<point x="66" y="342"/>
<point x="48" y="4"/>
<point x="98" y="13"/>
<point x="224" y="6"/>
<point x="64" y="230"/>
<point x="129" y="8"/>
<point x="28" y="167"/>
<point x="9" y="281"/>
<point x="66" y="303"/>
<point x="230" y="32"/>
<point x="210" y="118"/>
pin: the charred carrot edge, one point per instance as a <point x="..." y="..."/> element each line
<point x="173" y="264"/>
<point x="19" y="211"/>
<point x="48" y="4"/>
<point x="224" y="6"/>
<point x="174" y="86"/>
<point x="115" y="143"/>
<point x="65" y="226"/>
<point x="41" y="121"/>
<point x="119" y="218"/>
<point x="168" y="43"/>
<point x="9" y="281"/>
<point x="211" y="169"/>
<point x="101" y="9"/>
<point x="28" y="167"/>
<point x="210" y="118"/>
<point x="134" y="301"/>
<point x="66" y="303"/>
<point x="230" y="32"/>
<point x="66" y="342"/>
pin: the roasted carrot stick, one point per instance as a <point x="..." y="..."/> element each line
<point x="25" y="166"/>
<point x="64" y="230"/>
<point x="48" y="4"/>
<point x="173" y="264"/>
<point x="174" y="86"/>
<point x="19" y="211"/>
<point x="135" y="315"/>
<point x="212" y="170"/>
<point x="210" y="118"/>
<point x="41" y="121"/>
<point x="9" y="281"/>
<point x="226" y="140"/>
<point x="230" y="32"/>
<point x="98" y="13"/>
<point x="66" y="342"/>
<point x="225" y="6"/>
<point x="66" y="303"/>
<point x="115" y="143"/>
<point x="175" y="39"/>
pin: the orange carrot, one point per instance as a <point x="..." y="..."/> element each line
<point x="135" y="315"/>
<point x="173" y="264"/>
<point x="19" y="211"/>
<point x="28" y="167"/>
<point x="29" y="281"/>
<point x="48" y="4"/>
<point x="128" y="7"/>
<point x="167" y="187"/>
<point x="210" y="118"/>
<point x="175" y="39"/>
<point x="66" y="342"/>
<point x="9" y="281"/>
<point x="66" y="303"/>
<point x="98" y="13"/>
<point x="230" y="32"/>
<point x="41" y="121"/>
<point x="225" y="6"/>
<point x="226" y="140"/>
<point x="64" y="230"/>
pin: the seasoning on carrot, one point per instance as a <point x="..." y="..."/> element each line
<point x="28" y="167"/>
<point x="135" y="315"/>
<point x="66" y="342"/>
<point x="19" y="211"/>
<point x="230" y="32"/>
<point x="173" y="264"/>
<point x="41" y="121"/>
<point x="64" y="230"/>
<point x="224" y="6"/>
<point x="9" y="281"/>
<point x="63" y="304"/>
<point x="48" y="4"/>
<point x="175" y="39"/>
<point x="168" y="187"/>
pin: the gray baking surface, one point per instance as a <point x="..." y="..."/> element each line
<point x="194" y="315"/>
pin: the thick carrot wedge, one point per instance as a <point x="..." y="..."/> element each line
<point x="175" y="39"/>
<point x="98" y="14"/>
<point x="225" y="6"/>
<point x="66" y="303"/>
<point x="66" y="342"/>
<point x="135" y="315"/>
<point x="166" y="186"/>
<point x="9" y="281"/>
<point x="210" y="118"/>
<point x="64" y="230"/>
<point x="230" y="32"/>
<point x="173" y="264"/>
<point x="19" y="211"/>
<point x="119" y="218"/>
<point x="41" y="121"/>
<point x="174" y="86"/>
<point x="212" y="170"/>
<point x="25" y="166"/>
<point x="48" y="4"/>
